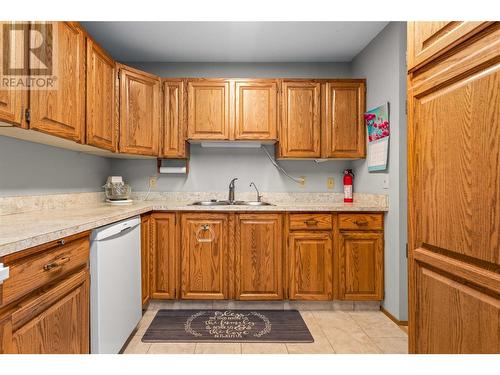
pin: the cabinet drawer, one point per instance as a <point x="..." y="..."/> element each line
<point x="361" y="221"/>
<point x="310" y="221"/>
<point x="34" y="271"/>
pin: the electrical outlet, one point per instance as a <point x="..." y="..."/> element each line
<point x="152" y="181"/>
<point x="329" y="183"/>
<point x="385" y="182"/>
<point x="302" y="181"/>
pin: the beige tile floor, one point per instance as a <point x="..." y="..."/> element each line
<point x="361" y="332"/>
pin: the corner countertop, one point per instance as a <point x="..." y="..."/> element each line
<point x="19" y="231"/>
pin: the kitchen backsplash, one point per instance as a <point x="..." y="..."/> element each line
<point x="211" y="169"/>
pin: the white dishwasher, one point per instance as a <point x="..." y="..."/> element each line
<point x="115" y="285"/>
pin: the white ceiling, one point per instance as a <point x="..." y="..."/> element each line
<point x="234" y="41"/>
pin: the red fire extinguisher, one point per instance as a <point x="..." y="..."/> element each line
<point x="348" y="180"/>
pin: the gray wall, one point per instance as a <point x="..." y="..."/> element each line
<point x="247" y="70"/>
<point x="383" y="64"/>
<point x="28" y="168"/>
<point x="211" y="169"/>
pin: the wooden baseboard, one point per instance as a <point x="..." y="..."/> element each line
<point x="393" y="318"/>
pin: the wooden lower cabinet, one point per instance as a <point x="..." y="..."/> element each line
<point x="163" y="255"/>
<point x="56" y="322"/>
<point x="310" y="266"/>
<point x="361" y="265"/>
<point x="145" y="259"/>
<point x="258" y="257"/>
<point x="204" y="251"/>
<point x="52" y="317"/>
<point x="244" y="256"/>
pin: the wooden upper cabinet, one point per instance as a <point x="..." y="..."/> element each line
<point x="208" y="109"/>
<point x="258" y="246"/>
<point x="101" y="102"/>
<point x="173" y="130"/>
<point x="427" y="40"/>
<point x="13" y="102"/>
<point x="344" y="133"/>
<point x="204" y="249"/>
<point x="256" y="110"/>
<point x="310" y="265"/>
<point x="300" y="120"/>
<point x="163" y="284"/>
<point x="361" y="265"/>
<point x="61" y="111"/>
<point x="139" y="112"/>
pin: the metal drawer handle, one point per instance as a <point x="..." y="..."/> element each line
<point x="204" y="228"/>
<point x="360" y="222"/>
<point x="61" y="242"/>
<point x="311" y="222"/>
<point x="56" y="264"/>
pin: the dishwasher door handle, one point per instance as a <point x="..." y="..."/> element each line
<point x="4" y="273"/>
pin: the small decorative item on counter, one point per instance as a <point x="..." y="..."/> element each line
<point x="348" y="182"/>
<point x="116" y="191"/>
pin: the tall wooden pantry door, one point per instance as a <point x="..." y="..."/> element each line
<point x="454" y="191"/>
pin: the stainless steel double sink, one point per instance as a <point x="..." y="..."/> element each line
<point x="215" y="202"/>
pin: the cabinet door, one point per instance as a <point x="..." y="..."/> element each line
<point x="427" y="40"/>
<point x="454" y="221"/>
<point x="163" y="256"/>
<point x="204" y="256"/>
<point x="55" y="322"/>
<point x="300" y="120"/>
<point x="61" y="111"/>
<point x="310" y="266"/>
<point x="145" y="258"/>
<point x="454" y="316"/>
<point x="101" y="77"/>
<point x="139" y="112"/>
<point x="361" y="265"/>
<point x="258" y="245"/>
<point x="173" y="129"/>
<point x="208" y="109"/>
<point x="13" y="102"/>
<point x="256" y="110"/>
<point x="345" y="133"/>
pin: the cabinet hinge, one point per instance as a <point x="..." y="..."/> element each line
<point x="407" y="250"/>
<point x="406" y="106"/>
<point x="27" y="115"/>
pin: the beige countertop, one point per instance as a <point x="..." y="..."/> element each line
<point x="19" y="231"/>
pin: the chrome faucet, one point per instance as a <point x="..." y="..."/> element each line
<point x="231" y="191"/>
<point x="259" y="197"/>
